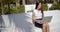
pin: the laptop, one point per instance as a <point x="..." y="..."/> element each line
<point x="47" y="19"/>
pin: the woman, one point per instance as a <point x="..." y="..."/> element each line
<point x="37" y="16"/>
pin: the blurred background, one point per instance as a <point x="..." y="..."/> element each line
<point x="17" y="6"/>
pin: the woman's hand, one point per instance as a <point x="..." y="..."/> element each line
<point x="39" y="21"/>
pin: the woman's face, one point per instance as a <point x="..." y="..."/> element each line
<point x="39" y="6"/>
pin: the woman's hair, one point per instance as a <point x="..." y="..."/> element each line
<point x="38" y="4"/>
<point x="40" y="8"/>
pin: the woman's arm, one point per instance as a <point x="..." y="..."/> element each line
<point x="33" y="18"/>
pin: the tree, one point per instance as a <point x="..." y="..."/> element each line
<point x="16" y="2"/>
<point x="11" y="1"/>
<point x="2" y="9"/>
<point x="7" y="2"/>
<point x="23" y="1"/>
<point x="54" y="1"/>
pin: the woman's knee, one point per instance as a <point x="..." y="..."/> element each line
<point x="45" y="24"/>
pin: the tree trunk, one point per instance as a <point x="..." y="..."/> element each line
<point x="23" y="1"/>
<point x="8" y="8"/>
<point x="16" y="5"/>
<point x="54" y="1"/>
<point x="2" y="8"/>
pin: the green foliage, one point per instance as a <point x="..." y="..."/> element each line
<point x="44" y="7"/>
<point x="0" y="1"/>
<point x="14" y="0"/>
<point x="55" y="7"/>
<point x="4" y="1"/>
<point x="20" y="9"/>
<point x="49" y="1"/>
<point x="5" y="10"/>
<point x="8" y="1"/>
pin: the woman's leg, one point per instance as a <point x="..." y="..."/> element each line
<point x="45" y="27"/>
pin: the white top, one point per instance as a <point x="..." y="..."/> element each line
<point x="37" y="14"/>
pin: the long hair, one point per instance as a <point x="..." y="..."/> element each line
<point x="36" y="5"/>
<point x="40" y="8"/>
